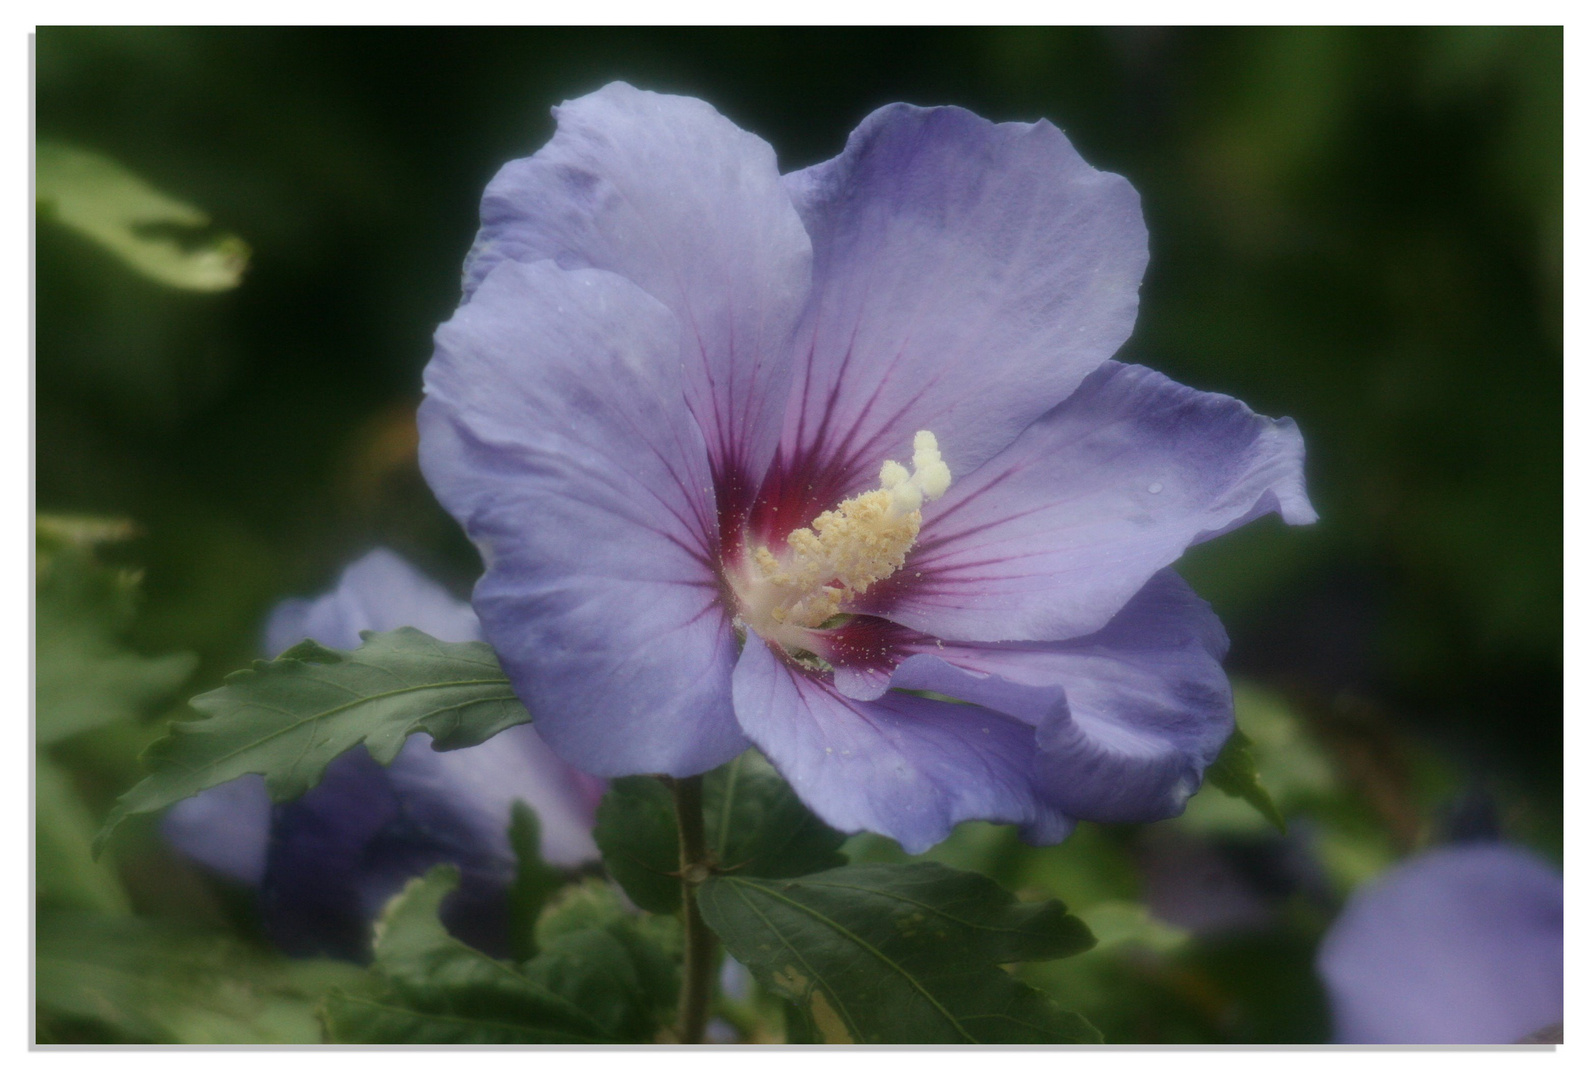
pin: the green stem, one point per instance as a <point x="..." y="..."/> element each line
<point x="700" y="948"/>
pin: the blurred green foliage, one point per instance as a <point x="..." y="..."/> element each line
<point x="105" y="972"/>
<point x="1359" y="228"/>
<point x="156" y="235"/>
<point x="103" y="979"/>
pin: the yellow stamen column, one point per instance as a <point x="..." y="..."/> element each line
<point x="844" y="552"/>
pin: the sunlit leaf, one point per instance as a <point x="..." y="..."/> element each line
<point x="1125" y="922"/>
<point x="55" y="532"/>
<point x="160" y="237"/>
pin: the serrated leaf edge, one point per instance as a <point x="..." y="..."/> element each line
<point x="292" y="660"/>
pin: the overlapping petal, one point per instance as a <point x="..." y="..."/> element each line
<point x="1050" y="538"/>
<point x="904" y="766"/>
<point x="671" y="195"/>
<point x="555" y="430"/>
<point x="968" y="275"/>
<point x="1127" y="718"/>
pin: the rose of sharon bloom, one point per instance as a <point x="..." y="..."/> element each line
<point x="326" y="862"/>
<point x="1457" y="945"/>
<point x="748" y="456"/>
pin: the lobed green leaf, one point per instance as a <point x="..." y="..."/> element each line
<point x="288" y="718"/>
<point x="613" y="967"/>
<point x="899" y="954"/>
<point x="595" y="980"/>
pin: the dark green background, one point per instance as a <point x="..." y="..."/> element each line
<point x="1360" y="229"/>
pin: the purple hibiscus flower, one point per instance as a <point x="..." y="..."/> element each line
<point x="673" y="411"/>
<point x="1458" y="945"/>
<point x="325" y="863"/>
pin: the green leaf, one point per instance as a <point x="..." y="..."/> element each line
<point x="57" y="532"/>
<point x="1127" y="922"/>
<point x="288" y="718"/>
<point x="437" y="989"/>
<point x="637" y="831"/>
<point x="158" y="236"/>
<point x="1235" y="772"/>
<point x="596" y="956"/>
<point x="579" y="907"/>
<point x="899" y="954"/>
<point x="755" y="826"/>
<point x="120" y="979"/>
<point x="534" y="882"/>
<point x="380" y="1020"/>
<point x="595" y="980"/>
<point x="66" y="874"/>
<point x="84" y="676"/>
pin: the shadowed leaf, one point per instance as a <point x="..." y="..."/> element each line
<point x="534" y="882"/>
<point x="596" y="978"/>
<point x="899" y="954"/>
<point x="638" y="834"/>
<point x="755" y="825"/>
<point x="66" y="875"/>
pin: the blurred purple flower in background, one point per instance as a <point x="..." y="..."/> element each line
<point x="671" y="413"/>
<point x="325" y="863"/>
<point x="1457" y="945"/>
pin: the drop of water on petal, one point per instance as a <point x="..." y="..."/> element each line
<point x="1155" y="487"/>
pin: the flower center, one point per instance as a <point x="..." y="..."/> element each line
<point x="846" y="550"/>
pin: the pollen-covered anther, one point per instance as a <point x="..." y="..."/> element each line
<point x="852" y="547"/>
